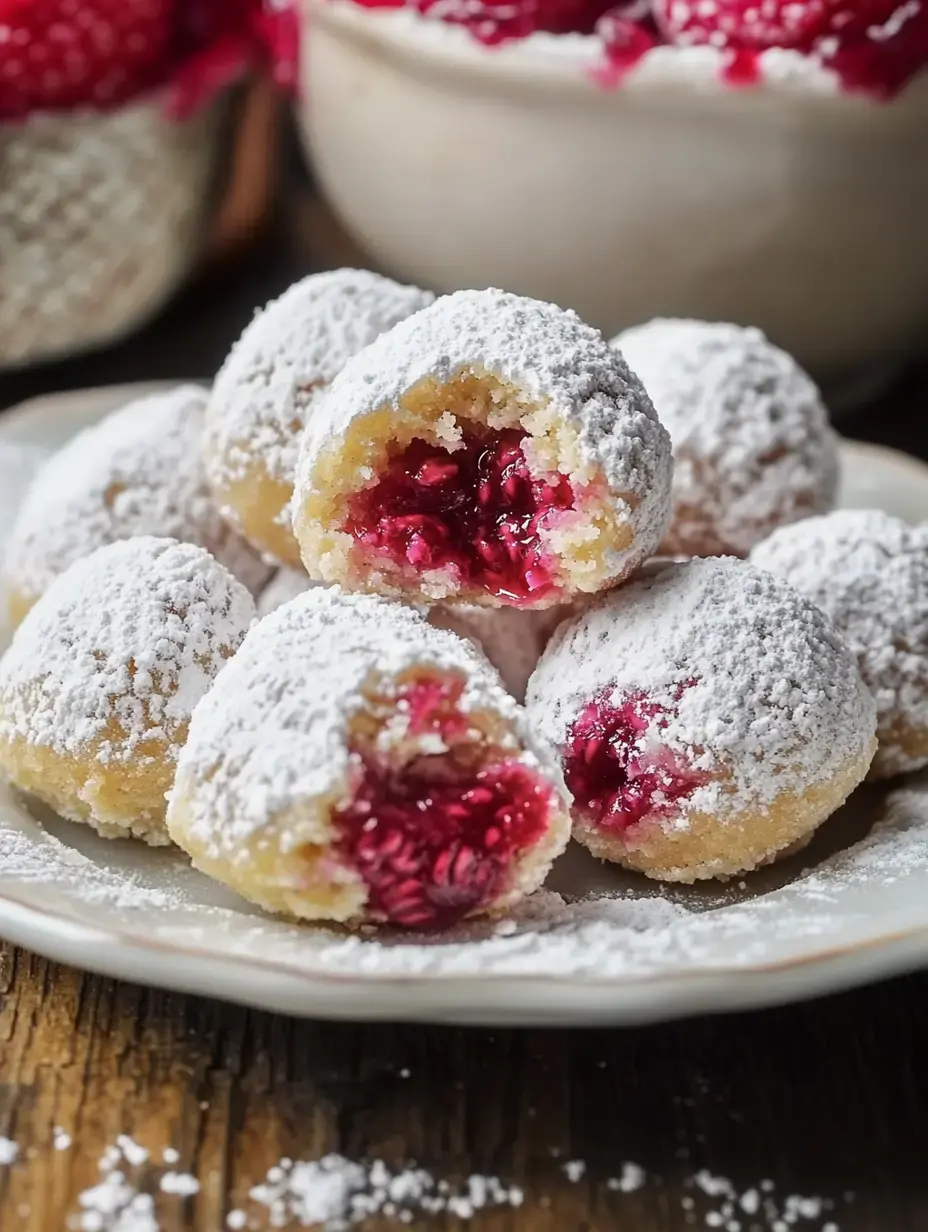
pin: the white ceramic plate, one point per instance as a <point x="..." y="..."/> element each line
<point x="598" y="946"/>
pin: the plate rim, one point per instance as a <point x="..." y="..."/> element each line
<point x="635" y="998"/>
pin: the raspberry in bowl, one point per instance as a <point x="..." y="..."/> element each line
<point x="640" y="161"/>
<point x="115" y="160"/>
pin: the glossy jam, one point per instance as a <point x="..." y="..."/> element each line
<point x="476" y="511"/>
<point x="436" y="840"/>
<point x="615" y="767"/>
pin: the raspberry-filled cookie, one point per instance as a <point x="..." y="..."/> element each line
<point x="752" y="445"/>
<point x="271" y="382"/>
<point x="138" y="472"/>
<point x="98" y="685"/>
<point x="869" y="572"/>
<point x="708" y="718"/>
<point x="354" y="763"/>
<point x="491" y="450"/>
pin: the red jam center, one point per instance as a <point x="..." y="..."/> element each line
<point x="476" y="511"/>
<point x="434" y="842"/>
<point x="615" y="768"/>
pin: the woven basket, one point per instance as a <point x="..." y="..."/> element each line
<point x="101" y="219"/>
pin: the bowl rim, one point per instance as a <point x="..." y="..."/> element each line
<point x="793" y="83"/>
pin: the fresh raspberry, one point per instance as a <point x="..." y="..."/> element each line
<point x="436" y="841"/>
<point x="873" y="45"/>
<point x="616" y="769"/>
<point x="628" y="33"/>
<point x="60" y="54"/>
<point x="476" y="511"/>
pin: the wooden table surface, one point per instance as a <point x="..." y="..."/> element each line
<point x="827" y="1100"/>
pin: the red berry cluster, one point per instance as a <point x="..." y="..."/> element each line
<point x="65" y="55"/>
<point x="874" y="46"/>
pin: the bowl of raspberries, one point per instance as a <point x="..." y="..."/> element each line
<point x="756" y="161"/>
<point x="116" y="126"/>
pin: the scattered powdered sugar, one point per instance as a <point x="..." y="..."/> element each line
<point x="733" y="1209"/>
<point x="286" y="356"/>
<point x="334" y="1193"/>
<point x="753" y="447"/>
<point x="549" y="356"/>
<point x="138" y="472"/>
<point x="9" y="1152"/>
<point x="273" y="733"/>
<point x="131" y="1151"/>
<point x="115" y="1205"/>
<point x="180" y="1183"/>
<point x="61" y="1139"/>
<point x="132" y="635"/>
<point x="123" y="1200"/>
<point x="632" y="1178"/>
<point x="754" y="683"/>
<point x="869" y="572"/>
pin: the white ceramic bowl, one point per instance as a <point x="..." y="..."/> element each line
<point x="791" y="206"/>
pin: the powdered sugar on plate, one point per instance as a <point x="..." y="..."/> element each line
<point x="587" y="933"/>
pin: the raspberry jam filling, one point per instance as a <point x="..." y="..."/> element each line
<point x="476" y="511"/>
<point x="437" y="838"/>
<point x="615" y="768"/>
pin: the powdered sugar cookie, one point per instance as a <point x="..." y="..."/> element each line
<point x="138" y="472"/>
<point x="512" y="640"/>
<point x="354" y="763"/>
<point x="752" y="445"/>
<point x="869" y="572"/>
<point x="98" y="685"/>
<point x="271" y="380"/>
<point x="491" y="450"/>
<point x="708" y="718"/>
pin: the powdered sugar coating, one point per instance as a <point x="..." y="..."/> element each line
<point x="275" y="733"/>
<point x="138" y="472"/>
<point x="284" y="360"/>
<point x="869" y="572"/>
<point x="752" y="444"/>
<point x="756" y="683"/>
<point x="133" y="634"/>
<point x="551" y="358"/>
